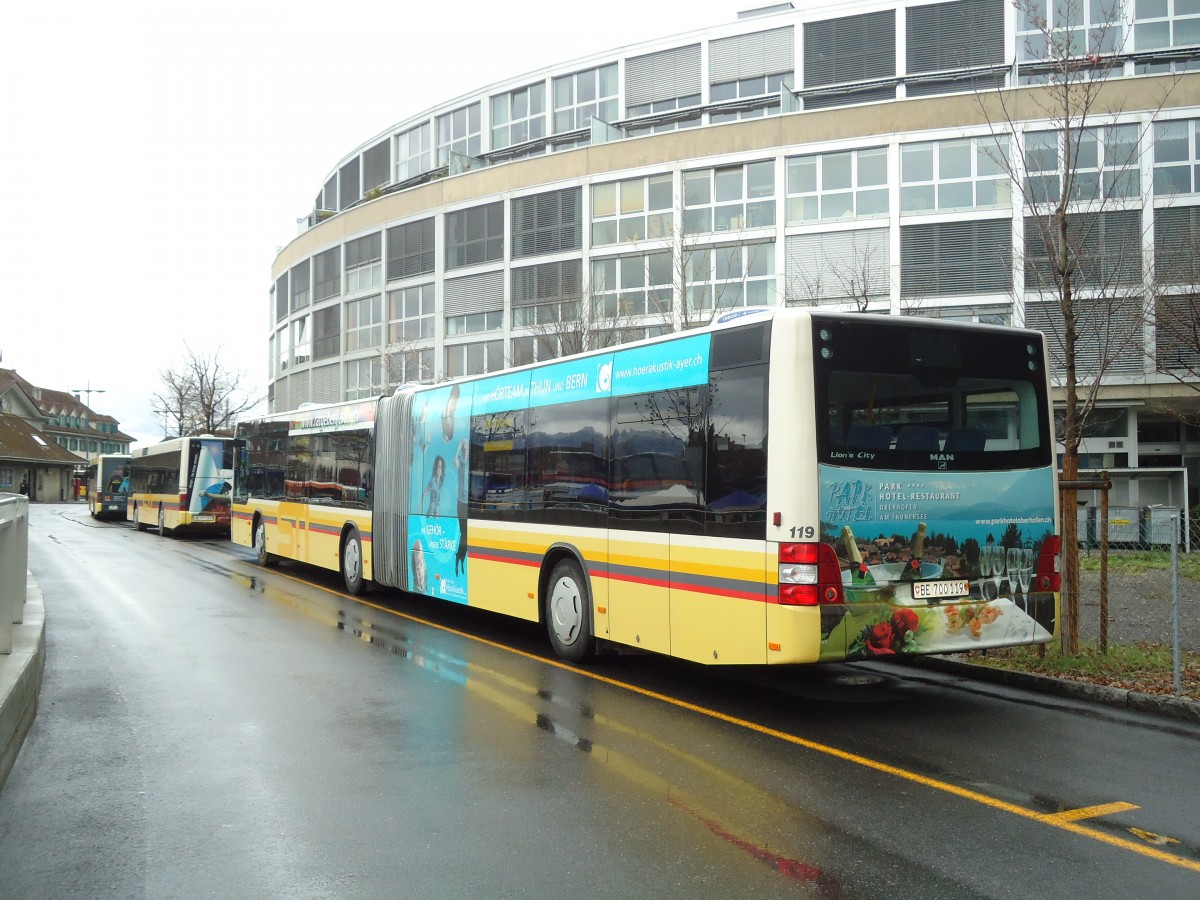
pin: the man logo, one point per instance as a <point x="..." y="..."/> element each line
<point x="604" y="378"/>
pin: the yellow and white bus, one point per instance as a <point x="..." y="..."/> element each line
<point x="182" y="485"/>
<point x="108" y="485"/>
<point x="786" y="486"/>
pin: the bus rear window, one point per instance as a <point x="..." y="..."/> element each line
<point x="976" y="402"/>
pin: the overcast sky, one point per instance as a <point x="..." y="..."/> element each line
<point x="157" y="156"/>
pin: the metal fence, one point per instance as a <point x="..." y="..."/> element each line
<point x="1147" y="528"/>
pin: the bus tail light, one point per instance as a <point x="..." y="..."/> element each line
<point x="1048" y="577"/>
<point x="809" y="575"/>
<point x="183" y="500"/>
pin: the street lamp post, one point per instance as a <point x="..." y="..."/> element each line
<point x="89" y="390"/>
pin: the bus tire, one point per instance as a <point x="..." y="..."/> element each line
<point x="92" y="508"/>
<point x="137" y="519"/>
<point x="162" y="523"/>
<point x="352" y="563"/>
<point x="265" y="559"/>
<point x="568" y="609"/>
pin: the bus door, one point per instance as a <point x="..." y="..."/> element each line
<point x="292" y="522"/>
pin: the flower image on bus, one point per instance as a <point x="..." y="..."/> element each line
<point x="785" y="486"/>
<point x="108" y="485"/>
<point x="182" y="485"/>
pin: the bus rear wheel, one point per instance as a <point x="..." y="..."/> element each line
<point x="162" y="523"/>
<point x="352" y="563"/>
<point x="265" y="559"/>
<point x="569" y="611"/>
<point x="137" y="519"/>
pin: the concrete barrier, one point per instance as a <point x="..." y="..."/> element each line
<point x="14" y="561"/>
<point x="21" y="678"/>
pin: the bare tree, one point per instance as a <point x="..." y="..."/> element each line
<point x="1077" y="172"/>
<point x="201" y="396"/>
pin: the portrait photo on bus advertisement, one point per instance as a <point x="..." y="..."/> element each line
<point x="439" y="482"/>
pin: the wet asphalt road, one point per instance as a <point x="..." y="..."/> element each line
<point x="209" y="728"/>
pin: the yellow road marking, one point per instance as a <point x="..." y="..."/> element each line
<point x="1054" y="820"/>
<point x="1092" y="812"/>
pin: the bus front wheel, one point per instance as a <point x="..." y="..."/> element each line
<point x="137" y="519"/>
<point x="260" y="547"/>
<point x="162" y="523"/>
<point x="569" y="611"/>
<point x="352" y="563"/>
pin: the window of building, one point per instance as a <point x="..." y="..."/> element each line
<point x="301" y="340"/>
<point x="746" y="66"/>
<point x="850" y="49"/>
<point x="633" y="210"/>
<point x="1104" y="162"/>
<point x="519" y="116"/>
<point x="845" y="185"/>
<point x="729" y="198"/>
<point x="547" y="223"/>
<point x="283" y="349"/>
<point x="364" y="323"/>
<point x="406" y="366"/>
<point x="377" y="164"/>
<point x="412" y="315"/>
<point x="580" y="97"/>
<point x="1106" y="249"/>
<point x="475" y="235"/>
<point x="663" y="82"/>
<point x="848" y="266"/>
<point x="546" y="293"/>
<point x="1162" y="24"/>
<point x="1058" y="28"/>
<point x="471" y="323"/>
<point x="1177" y="157"/>
<point x="934" y="35"/>
<point x="720" y="278"/>
<point x="327" y="332"/>
<point x="963" y="173"/>
<point x="327" y="274"/>
<point x="364" y="263"/>
<point x="410" y="250"/>
<point x="349" y="189"/>
<point x="298" y="275"/>
<point x="955" y="258"/>
<point x="363" y="378"/>
<point x="625" y="286"/>
<point x="414" y="152"/>
<point x="458" y="132"/>
<point x="474" y="359"/>
<point x="281" y="297"/>
<point x="537" y="348"/>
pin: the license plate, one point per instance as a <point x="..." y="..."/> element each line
<point x="939" y="590"/>
<point x="203" y="518"/>
<point x="113" y="507"/>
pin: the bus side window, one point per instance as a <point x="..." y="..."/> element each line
<point x="737" y="459"/>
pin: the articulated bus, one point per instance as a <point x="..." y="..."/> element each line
<point x="785" y="486"/>
<point x="182" y="485"/>
<point x="108" y="485"/>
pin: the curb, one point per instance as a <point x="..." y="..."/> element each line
<point x="1122" y="698"/>
<point x="21" y="678"/>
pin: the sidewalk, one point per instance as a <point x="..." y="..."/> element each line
<point x="21" y="678"/>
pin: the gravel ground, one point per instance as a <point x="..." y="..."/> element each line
<point x="1139" y="609"/>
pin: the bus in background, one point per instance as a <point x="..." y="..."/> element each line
<point x="785" y="486"/>
<point x="108" y="485"/>
<point x="182" y="484"/>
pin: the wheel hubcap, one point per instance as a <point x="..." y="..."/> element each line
<point x="352" y="563"/>
<point x="566" y="610"/>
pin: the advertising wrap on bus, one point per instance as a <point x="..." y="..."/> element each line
<point x="440" y="486"/>
<point x="210" y="481"/>
<point x="982" y="537"/>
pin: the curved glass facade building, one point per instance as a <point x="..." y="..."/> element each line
<point x="889" y="157"/>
